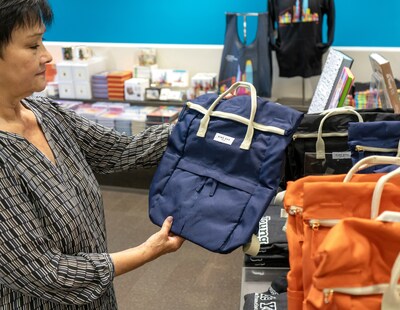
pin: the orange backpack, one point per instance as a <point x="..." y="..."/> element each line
<point x="358" y="263"/>
<point x="306" y="192"/>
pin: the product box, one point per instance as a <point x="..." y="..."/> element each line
<point x="159" y="77"/>
<point x="135" y="88"/>
<point x="66" y="90"/>
<point x="115" y="82"/>
<point x="83" y="90"/>
<point x="153" y="93"/>
<point x="144" y="71"/>
<point x="170" y="77"/>
<point x="203" y="83"/>
<point x="83" y="70"/>
<point x="178" y="78"/>
<point x="147" y="56"/>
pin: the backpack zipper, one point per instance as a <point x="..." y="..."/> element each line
<point x="315" y="223"/>
<point x="362" y="148"/>
<point x="357" y="291"/>
<point x="294" y="210"/>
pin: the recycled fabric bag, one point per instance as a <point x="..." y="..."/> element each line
<point x="294" y="205"/>
<point x="320" y="145"/>
<point x="356" y="272"/>
<point x="354" y="260"/>
<point x="222" y="167"/>
<point x="326" y="203"/>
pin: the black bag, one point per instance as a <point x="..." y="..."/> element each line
<point x="320" y="144"/>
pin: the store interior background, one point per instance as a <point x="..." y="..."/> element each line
<point x="189" y="35"/>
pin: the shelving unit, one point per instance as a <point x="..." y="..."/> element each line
<point x="138" y="103"/>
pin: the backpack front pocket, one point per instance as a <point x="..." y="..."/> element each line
<point x="206" y="204"/>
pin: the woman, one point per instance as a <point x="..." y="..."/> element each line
<point x="53" y="252"/>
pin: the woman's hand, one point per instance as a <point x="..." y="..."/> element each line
<point x="160" y="243"/>
<point x="164" y="241"/>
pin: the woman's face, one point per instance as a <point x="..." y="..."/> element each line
<point x="22" y="68"/>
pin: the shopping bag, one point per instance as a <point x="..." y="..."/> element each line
<point x="374" y="138"/>
<point x="222" y="167"/>
<point x="329" y="202"/>
<point x="320" y="144"/>
<point x="358" y="265"/>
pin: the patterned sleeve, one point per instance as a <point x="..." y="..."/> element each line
<point x="31" y="263"/>
<point x="107" y="150"/>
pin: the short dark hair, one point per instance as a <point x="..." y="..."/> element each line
<point x="22" y="13"/>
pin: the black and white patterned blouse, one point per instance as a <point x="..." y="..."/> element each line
<point x="53" y="252"/>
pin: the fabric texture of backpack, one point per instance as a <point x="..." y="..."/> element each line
<point x="380" y="138"/>
<point x="222" y="168"/>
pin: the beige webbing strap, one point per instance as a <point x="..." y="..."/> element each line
<point x="250" y="128"/>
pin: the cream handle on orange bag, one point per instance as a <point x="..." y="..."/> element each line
<point x="320" y="144"/>
<point x="250" y="128"/>
<point x="377" y="194"/>
<point x="371" y="161"/>
<point x="391" y="297"/>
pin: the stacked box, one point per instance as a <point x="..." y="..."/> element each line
<point x="100" y="85"/>
<point x="74" y="77"/>
<point x="115" y="84"/>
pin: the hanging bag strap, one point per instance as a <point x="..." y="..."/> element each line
<point x="320" y="144"/>
<point x="250" y="127"/>
<point x="391" y="298"/>
<point x="377" y="194"/>
<point x="371" y="161"/>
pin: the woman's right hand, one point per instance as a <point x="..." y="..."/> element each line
<point x="163" y="241"/>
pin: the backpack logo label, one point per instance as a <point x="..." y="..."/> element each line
<point x="219" y="137"/>
<point x="341" y="155"/>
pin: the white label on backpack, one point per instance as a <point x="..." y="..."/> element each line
<point x="223" y="138"/>
<point x="341" y="155"/>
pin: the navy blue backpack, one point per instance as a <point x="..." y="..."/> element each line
<point x="222" y="168"/>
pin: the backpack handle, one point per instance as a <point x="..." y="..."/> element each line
<point x="376" y="196"/>
<point x="320" y="144"/>
<point x="391" y="298"/>
<point x="250" y="127"/>
<point x="371" y="161"/>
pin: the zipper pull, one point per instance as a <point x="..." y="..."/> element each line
<point x="314" y="224"/>
<point x="295" y="210"/>
<point x="328" y="294"/>
<point x="360" y="150"/>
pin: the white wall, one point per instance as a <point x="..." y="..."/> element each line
<point x="206" y="58"/>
